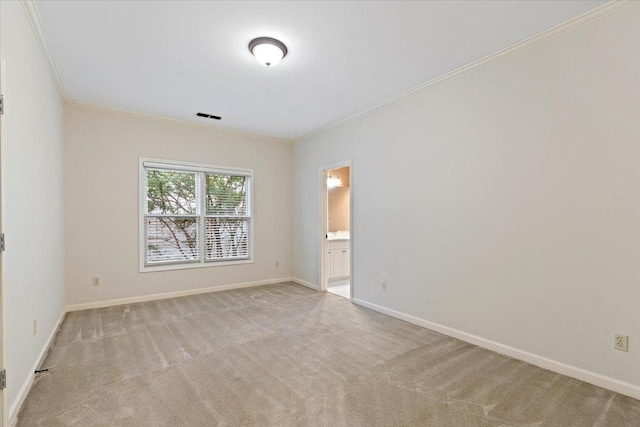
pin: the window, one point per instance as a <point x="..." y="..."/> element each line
<point x="194" y="215"/>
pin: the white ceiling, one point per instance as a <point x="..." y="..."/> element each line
<point x="173" y="58"/>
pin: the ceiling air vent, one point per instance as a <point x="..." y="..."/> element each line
<point x="208" y="116"/>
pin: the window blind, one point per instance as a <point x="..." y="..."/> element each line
<point x="227" y="216"/>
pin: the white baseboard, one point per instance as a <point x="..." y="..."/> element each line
<point x="304" y="283"/>
<point x="26" y="386"/>
<point x="603" y="381"/>
<point x="131" y="300"/>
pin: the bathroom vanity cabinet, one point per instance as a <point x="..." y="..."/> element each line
<point x="339" y="259"/>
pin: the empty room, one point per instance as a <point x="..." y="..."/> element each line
<point x="320" y="213"/>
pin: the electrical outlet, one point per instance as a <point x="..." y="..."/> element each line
<point x="277" y="264"/>
<point x="96" y="281"/>
<point x="621" y="342"/>
<point x="384" y="286"/>
<point x="35" y="327"/>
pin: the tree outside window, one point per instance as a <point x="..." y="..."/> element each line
<point x="184" y="207"/>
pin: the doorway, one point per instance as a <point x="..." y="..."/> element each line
<point x="337" y="235"/>
<point x="4" y="420"/>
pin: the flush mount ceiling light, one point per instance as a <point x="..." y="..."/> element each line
<point x="267" y="51"/>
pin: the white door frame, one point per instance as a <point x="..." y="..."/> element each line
<point x="324" y="229"/>
<point x="4" y="419"/>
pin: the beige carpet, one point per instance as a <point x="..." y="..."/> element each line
<point x="282" y="355"/>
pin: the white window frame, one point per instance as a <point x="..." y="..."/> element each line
<point x="190" y="167"/>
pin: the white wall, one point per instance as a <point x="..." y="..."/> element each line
<point x="33" y="207"/>
<point x="101" y="185"/>
<point x="504" y="203"/>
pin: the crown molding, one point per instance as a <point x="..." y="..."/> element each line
<point x="178" y="121"/>
<point x="36" y="24"/>
<point x="595" y="14"/>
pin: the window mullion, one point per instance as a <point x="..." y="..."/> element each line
<point x="202" y="206"/>
<point x="233" y="232"/>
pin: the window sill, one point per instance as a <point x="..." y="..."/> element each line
<point x="186" y="266"/>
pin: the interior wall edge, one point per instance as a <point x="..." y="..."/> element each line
<point x="34" y="20"/>
<point x="14" y="409"/>
<point x="305" y="284"/>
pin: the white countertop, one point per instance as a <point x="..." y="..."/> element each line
<point x="338" y="235"/>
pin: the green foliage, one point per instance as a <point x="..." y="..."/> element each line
<point x="226" y="195"/>
<point x="172" y="194"/>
